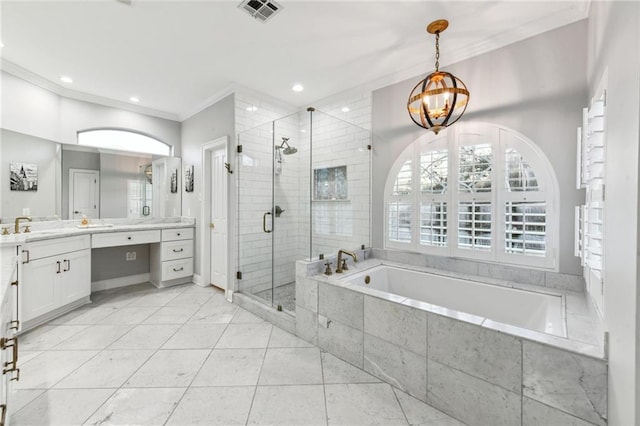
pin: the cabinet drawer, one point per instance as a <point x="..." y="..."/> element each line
<point x="53" y="247"/>
<point x="177" y="234"/>
<point x="114" y="239"/>
<point x="177" y="250"/>
<point x="173" y="269"/>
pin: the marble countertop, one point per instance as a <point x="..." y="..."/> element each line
<point x="66" y="228"/>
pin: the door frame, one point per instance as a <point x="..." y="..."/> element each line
<point x="71" y="189"/>
<point x="205" y="214"/>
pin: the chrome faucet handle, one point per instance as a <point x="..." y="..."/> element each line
<point x="328" y="271"/>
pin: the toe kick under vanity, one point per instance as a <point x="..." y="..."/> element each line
<point x="54" y="265"/>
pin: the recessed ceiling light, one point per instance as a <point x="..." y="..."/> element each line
<point x="66" y="79"/>
<point x="252" y="108"/>
<point x="345" y="109"/>
<point x="134" y="99"/>
<point x="297" y="87"/>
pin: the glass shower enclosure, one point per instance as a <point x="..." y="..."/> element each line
<point x="303" y="192"/>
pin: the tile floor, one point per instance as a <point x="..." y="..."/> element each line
<point x="284" y="295"/>
<point x="185" y="356"/>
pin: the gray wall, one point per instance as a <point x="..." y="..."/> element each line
<point x="18" y="147"/>
<point x="214" y="122"/>
<point x="115" y="173"/>
<point x="614" y="46"/>
<point x="109" y="262"/>
<point x="75" y="160"/>
<point x="537" y="86"/>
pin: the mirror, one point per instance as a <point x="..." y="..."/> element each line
<point x="106" y="183"/>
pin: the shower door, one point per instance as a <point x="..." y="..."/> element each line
<point x="272" y="186"/>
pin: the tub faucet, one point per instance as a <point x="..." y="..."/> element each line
<point x="17" y="223"/>
<point x="342" y="263"/>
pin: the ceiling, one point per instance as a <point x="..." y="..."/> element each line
<point x="179" y="56"/>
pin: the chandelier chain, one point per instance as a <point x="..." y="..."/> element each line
<point x="437" y="50"/>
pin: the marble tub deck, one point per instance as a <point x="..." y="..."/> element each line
<point x="185" y="356"/>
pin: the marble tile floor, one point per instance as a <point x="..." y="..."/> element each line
<point x="186" y="356"/>
<point x="284" y="295"/>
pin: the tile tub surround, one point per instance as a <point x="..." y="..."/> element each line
<point x="474" y="369"/>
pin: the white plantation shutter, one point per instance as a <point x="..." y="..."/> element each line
<point x="475" y="191"/>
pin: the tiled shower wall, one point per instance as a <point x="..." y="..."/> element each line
<point x="260" y="126"/>
<point x="341" y="223"/>
<point x="258" y="133"/>
<point x="341" y="133"/>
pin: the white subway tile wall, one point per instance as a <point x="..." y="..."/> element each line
<point x="261" y="123"/>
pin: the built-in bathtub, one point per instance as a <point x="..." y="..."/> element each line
<point x="483" y="352"/>
<point x="537" y="311"/>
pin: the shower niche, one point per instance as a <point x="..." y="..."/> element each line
<point x="303" y="191"/>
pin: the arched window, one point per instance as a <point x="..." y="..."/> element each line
<point x="123" y="140"/>
<point x="475" y="191"/>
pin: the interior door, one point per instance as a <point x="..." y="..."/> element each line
<point x="218" y="219"/>
<point x="84" y="193"/>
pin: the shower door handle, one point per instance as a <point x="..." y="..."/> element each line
<point x="264" y="222"/>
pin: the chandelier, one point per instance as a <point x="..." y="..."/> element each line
<point x="441" y="98"/>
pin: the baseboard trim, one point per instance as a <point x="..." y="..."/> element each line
<point x="120" y="282"/>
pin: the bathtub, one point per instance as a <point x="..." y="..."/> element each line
<point x="527" y="309"/>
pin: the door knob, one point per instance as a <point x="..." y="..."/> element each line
<point x="211" y="225"/>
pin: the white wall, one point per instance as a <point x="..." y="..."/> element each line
<point x="537" y="87"/>
<point x="614" y="45"/>
<point x="32" y="110"/>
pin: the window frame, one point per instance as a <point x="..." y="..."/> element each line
<point x="500" y="139"/>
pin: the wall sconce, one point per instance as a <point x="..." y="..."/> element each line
<point x="441" y="98"/>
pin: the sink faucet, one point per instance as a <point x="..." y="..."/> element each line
<point x="342" y="263"/>
<point x="17" y="224"/>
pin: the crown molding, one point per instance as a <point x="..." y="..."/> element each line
<point x="487" y="45"/>
<point x="211" y="100"/>
<point x="37" y="80"/>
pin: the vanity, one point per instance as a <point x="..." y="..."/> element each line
<point x="53" y="264"/>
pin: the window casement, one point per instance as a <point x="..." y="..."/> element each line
<point x="475" y="191"/>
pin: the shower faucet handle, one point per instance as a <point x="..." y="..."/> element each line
<point x="328" y="271"/>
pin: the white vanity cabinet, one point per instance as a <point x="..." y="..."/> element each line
<point x="172" y="259"/>
<point x="8" y="327"/>
<point x="55" y="278"/>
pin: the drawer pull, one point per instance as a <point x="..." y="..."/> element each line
<point x="28" y="256"/>
<point x="68" y="265"/>
<point x="128" y="238"/>
<point x="178" y="234"/>
<point x="4" y="344"/>
<point x="3" y="415"/>
<point x="178" y="269"/>
<point x="58" y="263"/>
<point x="178" y="251"/>
<point x="14" y="324"/>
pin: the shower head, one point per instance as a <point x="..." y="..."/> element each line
<point x="288" y="150"/>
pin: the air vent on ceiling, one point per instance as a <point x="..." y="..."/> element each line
<point x="262" y="10"/>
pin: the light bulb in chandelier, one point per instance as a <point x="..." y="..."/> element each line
<point x="441" y="98"/>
